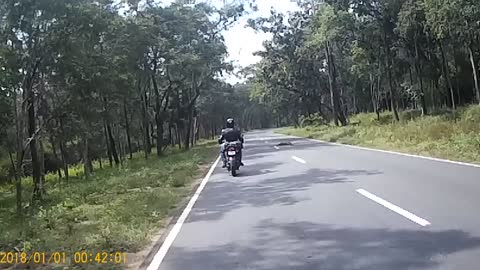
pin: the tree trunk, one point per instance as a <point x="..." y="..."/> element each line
<point x="340" y="85"/>
<point x="41" y="161"/>
<point x="189" y="129"/>
<point x="137" y="143"/>
<point x="335" y="99"/>
<point x="18" y="182"/>
<point x="393" y="96"/>
<point x="195" y="131"/>
<point x="331" y="86"/>
<point x="109" y="151"/>
<point x="159" y="123"/>
<point x="54" y="151"/>
<point x="457" y="79"/>
<point x="212" y="126"/>
<point x="178" y="135"/>
<point x="113" y="147"/>
<point x="158" y="117"/>
<point x="355" y="109"/>
<point x="144" y="126"/>
<point x="192" y="133"/>
<point x="120" y="145"/>
<point x="63" y="152"/>
<point x="418" y="68"/>
<point x="393" y="99"/>
<point x="379" y="82"/>
<point x="87" y="165"/>
<point x="446" y="74"/>
<point x="127" y="130"/>
<point x="37" y="191"/>
<point x="457" y="87"/>
<point x="373" y="99"/>
<point x="422" y="96"/>
<point x="17" y="170"/>
<point x="170" y="138"/>
<point x="415" y="101"/>
<point x="402" y="101"/>
<point x="64" y="160"/>
<point x="147" y="144"/>
<point x="147" y="147"/>
<point x="410" y="74"/>
<point x="475" y="73"/>
<point x="110" y="138"/>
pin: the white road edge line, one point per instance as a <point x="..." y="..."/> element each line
<point x="397" y="153"/>
<point x="394" y="208"/>
<point x="158" y="258"/>
<point x="299" y="159"/>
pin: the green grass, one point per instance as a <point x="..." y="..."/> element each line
<point x="118" y="209"/>
<point x="451" y="135"/>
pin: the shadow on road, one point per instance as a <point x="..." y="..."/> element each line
<point x="312" y="246"/>
<point x="269" y="147"/>
<point x="316" y="176"/>
<point x="255" y="169"/>
<point x="220" y="197"/>
<point x="272" y="244"/>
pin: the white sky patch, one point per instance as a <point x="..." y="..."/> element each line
<point x="242" y="41"/>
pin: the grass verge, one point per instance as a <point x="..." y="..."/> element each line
<point x="449" y="135"/>
<point x="119" y="209"/>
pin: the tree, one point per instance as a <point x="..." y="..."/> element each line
<point x="95" y="84"/>
<point x="458" y="21"/>
<point x="330" y="29"/>
<point x="370" y="56"/>
<point x="411" y="27"/>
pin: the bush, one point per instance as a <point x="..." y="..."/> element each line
<point x="6" y="173"/>
<point x="410" y="115"/>
<point x="117" y="209"/>
<point x="472" y="114"/>
<point x="445" y="134"/>
<point x="52" y="164"/>
<point x="312" y="120"/>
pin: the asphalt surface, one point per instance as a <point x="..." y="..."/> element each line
<point x="301" y="207"/>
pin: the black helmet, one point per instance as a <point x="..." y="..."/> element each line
<point x="230" y="123"/>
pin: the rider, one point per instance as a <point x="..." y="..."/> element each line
<point x="230" y="134"/>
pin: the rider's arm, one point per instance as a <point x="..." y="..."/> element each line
<point x="240" y="136"/>
<point x="220" y="140"/>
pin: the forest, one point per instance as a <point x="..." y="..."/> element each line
<point x="86" y="81"/>
<point x="104" y="111"/>
<point x="336" y="58"/>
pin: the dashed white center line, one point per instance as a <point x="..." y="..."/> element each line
<point x="394" y="208"/>
<point x="297" y="159"/>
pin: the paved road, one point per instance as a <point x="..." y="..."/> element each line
<point x="321" y="206"/>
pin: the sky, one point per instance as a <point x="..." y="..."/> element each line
<point x="241" y="41"/>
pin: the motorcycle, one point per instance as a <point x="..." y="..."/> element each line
<point x="233" y="161"/>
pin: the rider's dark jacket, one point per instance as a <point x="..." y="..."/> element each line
<point x="231" y="135"/>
